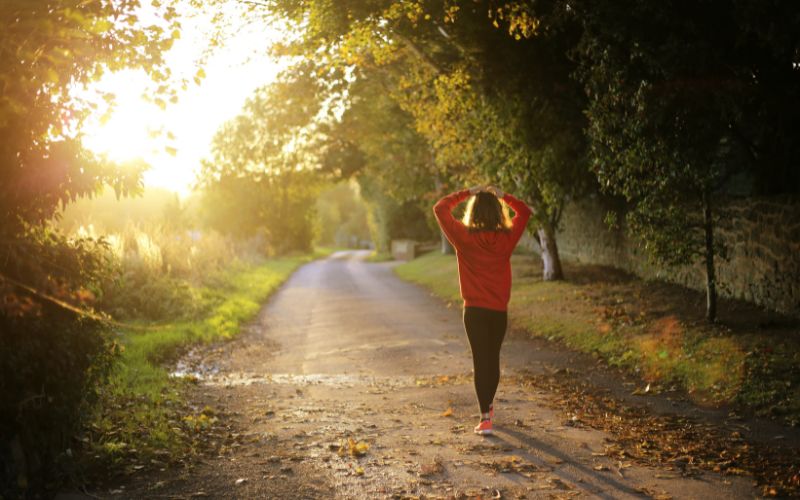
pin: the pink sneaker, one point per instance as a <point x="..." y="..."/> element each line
<point x="484" y="428"/>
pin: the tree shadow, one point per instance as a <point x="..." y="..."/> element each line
<point x="531" y="442"/>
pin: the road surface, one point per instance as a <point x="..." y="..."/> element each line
<point x="347" y="351"/>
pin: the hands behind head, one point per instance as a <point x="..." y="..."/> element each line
<point x="487" y="189"/>
<point x="495" y="191"/>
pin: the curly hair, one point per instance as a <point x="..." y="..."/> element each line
<point x="486" y="213"/>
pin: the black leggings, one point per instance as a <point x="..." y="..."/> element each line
<point x="485" y="329"/>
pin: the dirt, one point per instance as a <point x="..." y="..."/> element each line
<point x="354" y="384"/>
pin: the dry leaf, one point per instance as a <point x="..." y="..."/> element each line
<point x="353" y="447"/>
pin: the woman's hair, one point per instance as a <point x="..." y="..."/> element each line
<point x="485" y="213"/>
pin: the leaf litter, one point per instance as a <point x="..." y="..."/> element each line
<point x="679" y="443"/>
<point x="353" y="448"/>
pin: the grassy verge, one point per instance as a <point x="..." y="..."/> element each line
<point x="143" y="417"/>
<point x="379" y="257"/>
<point x="750" y="358"/>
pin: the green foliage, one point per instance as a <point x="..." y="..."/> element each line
<point x="146" y="295"/>
<point x="155" y="256"/>
<point x="261" y="166"/>
<point x="409" y="221"/>
<point x="374" y="141"/>
<point x="484" y="103"/>
<point x="44" y="259"/>
<point x="52" y="366"/>
<point x="48" y="48"/>
<point x="156" y="272"/>
<point x="142" y="412"/>
<point x="341" y="217"/>
<point x="658" y="142"/>
<point x="679" y="106"/>
<point x="51" y="360"/>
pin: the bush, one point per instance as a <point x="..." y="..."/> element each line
<point x="157" y="272"/>
<point x="50" y="370"/>
<point x="52" y="359"/>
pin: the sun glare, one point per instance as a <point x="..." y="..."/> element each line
<point x="174" y="140"/>
<point x="130" y="130"/>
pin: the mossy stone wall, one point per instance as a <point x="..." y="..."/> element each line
<point x="762" y="236"/>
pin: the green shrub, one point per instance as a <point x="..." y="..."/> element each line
<point x="149" y="296"/>
<point x="157" y="272"/>
<point x="51" y="359"/>
<point x="50" y="370"/>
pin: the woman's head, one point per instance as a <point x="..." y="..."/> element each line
<point x="486" y="213"/>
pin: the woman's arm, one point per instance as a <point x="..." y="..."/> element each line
<point x="521" y="215"/>
<point x="453" y="229"/>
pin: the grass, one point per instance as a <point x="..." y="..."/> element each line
<point x="751" y="358"/>
<point x="375" y="256"/>
<point x="143" y="416"/>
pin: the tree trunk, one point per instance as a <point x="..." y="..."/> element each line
<point x="711" y="278"/>
<point x="447" y="248"/>
<point x="551" y="262"/>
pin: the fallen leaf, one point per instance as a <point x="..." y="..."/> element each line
<point x="447" y="413"/>
<point x="353" y="448"/>
<point x="432" y="468"/>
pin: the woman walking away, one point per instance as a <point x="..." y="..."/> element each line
<point x="483" y="244"/>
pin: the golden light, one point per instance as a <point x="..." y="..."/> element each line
<point x="174" y="140"/>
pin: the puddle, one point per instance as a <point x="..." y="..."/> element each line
<point x="194" y="371"/>
<point x="211" y="376"/>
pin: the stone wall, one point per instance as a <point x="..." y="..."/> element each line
<point x="762" y="236"/>
<point x="404" y="249"/>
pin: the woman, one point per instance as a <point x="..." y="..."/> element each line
<point x="483" y="244"/>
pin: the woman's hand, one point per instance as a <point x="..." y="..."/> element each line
<point x="487" y="189"/>
<point x="495" y="191"/>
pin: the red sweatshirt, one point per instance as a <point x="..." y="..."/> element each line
<point x="484" y="266"/>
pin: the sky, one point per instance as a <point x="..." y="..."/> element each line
<point x="233" y="71"/>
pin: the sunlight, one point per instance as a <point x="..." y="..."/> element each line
<point x="130" y="129"/>
<point x="175" y="139"/>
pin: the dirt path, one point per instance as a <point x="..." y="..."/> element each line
<point x="345" y="350"/>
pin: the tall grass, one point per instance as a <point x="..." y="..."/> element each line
<point x="143" y="410"/>
<point x="176" y="288"/>
<point x="158" y="271"/>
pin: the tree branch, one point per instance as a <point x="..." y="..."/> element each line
<point x="751" y="149"/>
<point x="254" y="2"/>
<point x="422" y="56"/>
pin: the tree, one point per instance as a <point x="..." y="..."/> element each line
<point x="47" y="48"/>
<point x="492" y="105"/>
<point x="262" y="166"/>
<point x="54" y="356"/>
<point x="342" y="216"/>
<point x="520" y="113"/>
<point x="681" y="105"/>
<point x="374" y="141"/>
